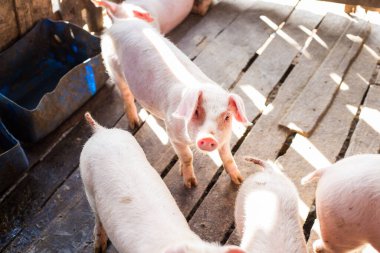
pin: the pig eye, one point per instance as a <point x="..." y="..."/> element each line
<point x="227" y="118"/>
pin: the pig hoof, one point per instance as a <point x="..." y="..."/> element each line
<point x="318" y="246"/>
<point x="191" y="182"/>
<point x="237" y="178"/>
<point x="99" y="249"/>
<point x="201" y="6"/>
<point x="133" y="124"/>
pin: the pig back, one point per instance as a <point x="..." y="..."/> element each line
<point x="266" y="211"/>
<point x="132" y="201"/>
<point x="348" y="197"/>
<point x="156" y="71"/>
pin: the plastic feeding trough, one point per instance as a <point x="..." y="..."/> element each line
<point x="46" y="76"/>
<point x="13" y="161"/>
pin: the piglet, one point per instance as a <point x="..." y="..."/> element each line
<point x="196" y="110"/>
<point x="267" y="214"/>
<point x="165" y="15"/>
<point x="348" y="204"/>
<point x="132" y="205"/>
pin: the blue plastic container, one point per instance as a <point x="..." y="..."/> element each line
<point x="13" y="161"/>
<point x="47" y="75"/>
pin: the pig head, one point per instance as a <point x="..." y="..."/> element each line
<point x="203" y="117"/>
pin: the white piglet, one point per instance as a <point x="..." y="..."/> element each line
<point x="165" y="15"/>
<point x="267" y="214"/>
<point x="132" y="205"/>
<point x="196" y="110"/>
<point x="348" y="204"/>
<point x="162" y="14"/>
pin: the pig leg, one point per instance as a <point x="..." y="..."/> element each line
<point x="229" y="163"/>
<point x="100" y="242"/>
<point x="117" y="77"/>
<point x="320" y="247"/>
<point x="129" y="104"/>
<point x="186" y="163"/>
<point x="201" y="6"/>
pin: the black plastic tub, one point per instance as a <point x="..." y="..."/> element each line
<point x="46" y="75"/>
<point x="13" y="161"/>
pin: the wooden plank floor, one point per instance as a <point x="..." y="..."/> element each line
<point x="303" y="64"/>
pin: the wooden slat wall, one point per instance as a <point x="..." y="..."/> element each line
<point x="18" y="16"/>
<point x="8" y="23"/>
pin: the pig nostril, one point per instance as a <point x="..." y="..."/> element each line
<point x="212" y="145"/>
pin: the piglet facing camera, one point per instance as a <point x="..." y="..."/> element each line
<point x="197" y="111"/>
<point x="132" y="205"/>
<point x="348" y="204"/>
<point x="266" y="212"/>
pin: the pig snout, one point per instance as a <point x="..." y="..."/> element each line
<point x="207" y="144"/>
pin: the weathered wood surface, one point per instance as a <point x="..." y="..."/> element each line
<point x="366" y="137"/>
<point x="196" y="33"/>
<point x="8" y="24"/>
<point x="82" y="13"/>
<point x="269" y="80"/>
<point x="357" y="81"/>
<point x="365" y="133"/>
<point x="28" y="12"/>
<point x="243" y="40"/>
<point x="315" y="99"/>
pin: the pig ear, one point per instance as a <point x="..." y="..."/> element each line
<point x="188" y="104"/>
<point x="236" y="105"/>
<point x="106" y="4"/>
<point x="110" y="6"/>
<point x="234" y="249"/>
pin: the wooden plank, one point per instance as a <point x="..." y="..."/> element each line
<point x="196" y="32"/>
<point x="28" y="12"/>
<point x="36" y="188"/>
<point x="8" y="24"/>
<point x="155" y="142"/>
<point x="315" y="99"/>
<point x="323" y="147"/>
<point x="377" y="80"/>
<point x="266" y="72"/>
<point x="241" y="40"/>
<point x="265" y="140"/>
<point x="325" y="143"/>
<point x="65" y="233"/>
<point x="64" y="198"/>
<point x="366" y="138"/>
